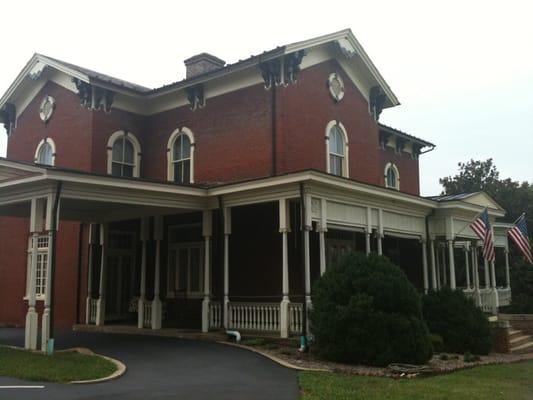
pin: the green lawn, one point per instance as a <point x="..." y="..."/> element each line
<point x="508" y="381"/>
<point x="61" y="367"/>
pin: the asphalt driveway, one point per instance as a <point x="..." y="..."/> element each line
<point x="163" y="368"/>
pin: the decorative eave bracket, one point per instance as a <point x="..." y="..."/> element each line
<point x="377" y="101"/>
<point x="282" y="71"/>
<point x="196" y="96"/>
<point x="94" y="97"/>
<point x="8" y="117"/>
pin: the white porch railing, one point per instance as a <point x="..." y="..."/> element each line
<point x="215" y="314"/>
<point x="504" y="296"/>
<point x="263" y="317"/>
<point x="295" y="317"/>
<point x="92" y="310"/>
<point x="487" y="299"/>
<point x="147" y="314"/>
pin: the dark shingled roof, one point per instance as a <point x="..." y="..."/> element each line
<point x="397" y="132"/>
<point x="452" y="197"/>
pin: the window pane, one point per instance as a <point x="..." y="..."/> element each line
<point x="116" y="169"/>
<point x="336" y="165"/>
<point x="186" y="147"/>
<point x="45" y="154"/>
<point x="178" y="172"/>
<point x="195" y="270"/>
<point x="128" y="152"/>
<point x="177" y="148"/>
<point x="337" y="144"/>
<point x="186" y="171"/>
<point x="391" y="177"/>
<point x="127" y="170"/>
<point x="118" y="150"/>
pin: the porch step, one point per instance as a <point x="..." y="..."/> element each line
<point x="523" y="348"/>
<point x="513" y="333"/>
<point x="520" y="340"/>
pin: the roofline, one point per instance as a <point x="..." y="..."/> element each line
<point x="397" y="132"/>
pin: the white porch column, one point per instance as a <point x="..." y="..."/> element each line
<point x="368" y="231"/>
<point x="437" y="250"/>
<point x="425" y="264"/>
<point x="100" y="303"/>
<point x="322" y="229"/>
<point x="92" y="232"/>
<point x="156" y="303"/>
<point x="36" y="225"/>
<point x="475" y="266"/>
<point x="495" y="297"/>
<point x="144" y="236"/>
<point x="507" y="273"/>
<point x="307" y="261"/>
<point x="467" y="265"/>
<point x="45" y="323"/>
<point x="284" y="228"/>
<point x="227" y="233"/>
<point x="443" y="265"/>
<point x="487" y="276"/>
<point x="451" y="254"/>
<point x="433" y="269"/>
<point x="380" y="232"/>
<point x="207" y="222"/>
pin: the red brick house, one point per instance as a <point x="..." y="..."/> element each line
<point x="217" y="200"/>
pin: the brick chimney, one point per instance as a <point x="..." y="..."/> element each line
<point x="201" y="64"/>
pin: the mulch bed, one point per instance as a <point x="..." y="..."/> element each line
<point x="439" y="364"/>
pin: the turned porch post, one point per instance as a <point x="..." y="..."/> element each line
<point x="322" y="229"/>
<point x="227" y="233"/>
<point x="207" y="222"/>
<point x="425" y="264"/>
<point x="284" y="228"/>
<point x="507" y="273"/>
<point x="156" y="303"/>
<point x="144" y="236"/>
<point x="475" y="266"/>
<point x="368" y="231"/>
<point x="88" y="301"/>
<point x="467" y="265"/>
<point x="487" y="276"/>
<point x="100" y="303"/>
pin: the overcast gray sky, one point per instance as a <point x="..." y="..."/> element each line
<point x="463" y="70"/>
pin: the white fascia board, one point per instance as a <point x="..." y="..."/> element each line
<point x="110" y="181"/>
<point x="21" y="166"/>
<point x="451" y="205"/>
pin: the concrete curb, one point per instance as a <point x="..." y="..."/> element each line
<point x="121" y="367"/>
<point x="277" y="360"/>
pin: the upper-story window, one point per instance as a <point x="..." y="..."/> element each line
<point x="123" y="155"/>
<point x="392" y="176"/>
<point x="46" y="152"/>
<point x="180" y="150"/>
<point x="337" y="149"/>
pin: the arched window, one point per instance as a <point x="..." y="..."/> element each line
<point x="337" y="149"/>
<point x="46" y="152"/>
<point x="180" y="150"/>
<point x="123" y="155"/>
<point x="392" y="176"/>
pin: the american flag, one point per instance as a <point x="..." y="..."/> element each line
<point x="481" y="227"/>
<point x="519" y="235"/>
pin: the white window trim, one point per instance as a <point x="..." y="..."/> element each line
<point x="136" y="149"/>
<point x="170" y="164"/>
<point x="396" y="172"/>
<point x="346" y="162"/>
<point x="40" y="251"/>
<point x="39" y="147"/>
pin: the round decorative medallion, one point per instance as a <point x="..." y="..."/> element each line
<point x="47" y="108"/>
<point x="336" y="86"/>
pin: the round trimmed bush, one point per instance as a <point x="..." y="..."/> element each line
<point x="366" y="311"/>
<point x="462" y="326"/>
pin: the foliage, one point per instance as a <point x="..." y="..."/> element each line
<point x="469" y="357"/>
<point x="436" y="342"/>
<point x="502" y="381"/>
<point x="455" y="317"/>
<point x="475" y="176"/>
<point x="61" y="367"/>
<point x="366" y="311"/>
<point x="522" y="285"/>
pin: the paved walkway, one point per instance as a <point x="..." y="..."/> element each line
<point x="163" y="368"/>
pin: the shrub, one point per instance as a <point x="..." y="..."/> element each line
<point x="469" y="357"/>
<point x="462" y="326"/>
<point x="436" y="342"/>
<point x="366" y="311"/>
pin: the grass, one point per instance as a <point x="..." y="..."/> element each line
<point x="61" y="367"/>
<point x="503" y="381"/>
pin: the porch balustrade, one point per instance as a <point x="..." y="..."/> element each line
<point x="264" y="317"/>
<point x="92" y="310"/>
<point x="504" y="296"/>
<point x="215" y="313"/>
<point x="295" y="317"/>
<point x="147" y="315"/>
